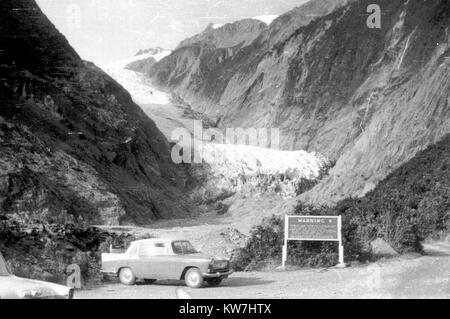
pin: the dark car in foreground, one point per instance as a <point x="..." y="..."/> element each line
<point x="12" y="287"/>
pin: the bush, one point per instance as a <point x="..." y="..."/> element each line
<point x="264" y="246"/>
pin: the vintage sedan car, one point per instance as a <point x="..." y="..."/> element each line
<point x="155" y="259"/>
<point x="12" y="287"/>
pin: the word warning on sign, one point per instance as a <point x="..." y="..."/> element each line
<point x="313" y="228"/>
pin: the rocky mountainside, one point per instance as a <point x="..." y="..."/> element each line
<point x="73" y="145"/>
<point x="369" y="99"/>
<point x="240" y="33"/>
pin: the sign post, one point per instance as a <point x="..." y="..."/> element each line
<point x="313" y="228"/>
<point x="285" y="246"/>
<point x="341" y="247"/>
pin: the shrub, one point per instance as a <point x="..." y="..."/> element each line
<point x="264" y="246"/>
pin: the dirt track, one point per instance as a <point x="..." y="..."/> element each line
<point x="404" y="277"/>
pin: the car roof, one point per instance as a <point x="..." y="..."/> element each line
<point x="157" y="240"/>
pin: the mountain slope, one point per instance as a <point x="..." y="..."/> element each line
<point x="201" y="67"/>
<point x="74" y="147"/>
<point x="239" y="33"/>
<point x="410" y="205"/>
<point x="144" y="59"/>
<point x="369" y="99"/>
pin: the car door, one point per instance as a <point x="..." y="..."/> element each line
<point x="131" y="259"/>
<point x="178" y="259"/>
<point x="153" y="262"/>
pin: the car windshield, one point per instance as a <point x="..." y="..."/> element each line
<point x="3" y="268"/>
<point x="183" y="248"/>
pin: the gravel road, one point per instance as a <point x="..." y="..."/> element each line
<point x="404" y="277"/>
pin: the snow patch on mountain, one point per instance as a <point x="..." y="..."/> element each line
<point x="243" y="171"/>
<point x="267" y="19"/>
<point x="138" y="85"/>
<point x="234" y="160"/>
<point x="157" y="53"/>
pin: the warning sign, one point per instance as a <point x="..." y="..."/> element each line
<point x="313" y="228"/>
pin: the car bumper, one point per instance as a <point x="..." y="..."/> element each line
<point x="217" y="274"/>
<point x="69" y="295"/>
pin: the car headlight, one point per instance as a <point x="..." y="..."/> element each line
<point x="218" y="263"/>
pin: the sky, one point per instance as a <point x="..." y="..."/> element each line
<point x="104" y="31"/>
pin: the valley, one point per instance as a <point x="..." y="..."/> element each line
<point x="309" y="112"/>
<point x="255" y="191"/>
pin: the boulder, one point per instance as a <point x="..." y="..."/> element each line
<point x="380" y="247"/>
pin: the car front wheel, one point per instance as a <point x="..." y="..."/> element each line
<point x="127" y="276"/>
<point x="194" y="278"/>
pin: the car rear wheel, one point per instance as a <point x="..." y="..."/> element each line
<point x="127" y="276"/>
<point x="194" y="278"/>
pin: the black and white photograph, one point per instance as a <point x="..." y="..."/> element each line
<point x="239" y="152"/>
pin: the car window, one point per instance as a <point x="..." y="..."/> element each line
<point x="3" y="268"/>
<point x="183" y="248"/>
<point x="152" y="249"/>
<point x="133" y="250"/>
<point x="177" y="247"/>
